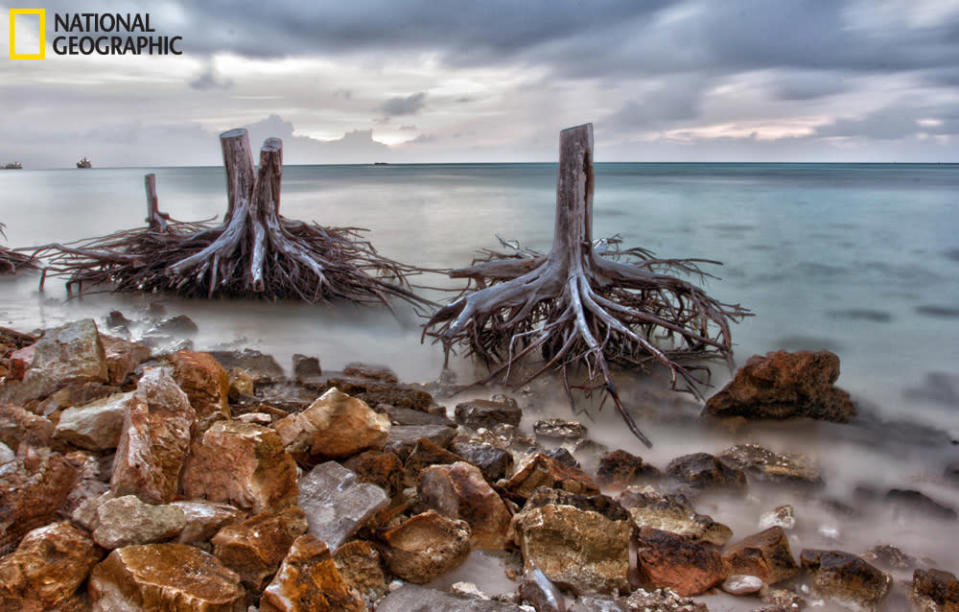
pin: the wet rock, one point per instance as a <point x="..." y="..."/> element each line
<point x="334" y="426"/>
<point x="407" y="416"/>
<point x="376" y="391"/>
<point x="889" y="557"/>
<point x="74" y="394"/>
<point x="782" y="385"/>
<point x="241" y="383"/>
<point x="154" y="440"/>
<point x="846" y="578"/>
<point x="375" y="372"/>
<point x="204" y="519"/>
<point x="781" y="516"/>
<point x="672" y="513"/>
<point x="6" y="454"/>
<point x="241" y="464"/>
<point x="403" y="438"/>
<point x="22" y="426"/>
<point x="381" y="468"/>
<point x="425" y="454"/>
<point x="579" y="542"/>
<point x="47" y="568"/>
<point x="205" y="382"/>
<point x="742" y="584"/>
<point x="765" y="554"/>
<point x="539" y="470"/>
<point x="97" y="425"/>
<point x="495" y="463"/>
<point x="426" y="546"/>
<point x="919" y="502"/>
<point x="262" y="368"/>
<point x="538" y="591"/>
<point x="282" y="396"/>
<point x="308" y="581"/>
<point x="768" y="466"/>
<point x="122" y="357"/>
<point x="32" y="490"/>
<point x="116" y="319"/>
<point x="563" y="456"/>
<point x="123" y="521"/>
<point x="255" y="547"/>
<point x="336" y="504"/>
<point x="620" y="469"/>
<point x="180" y="325"/>
<point x="704" y="471"/>
<point x="661" y="600"/>
<point x="559" y="429"/>
<point x="459" y="491"/>
<point x="359" y="564"/>
<point x="487" y="413"/>
<point x="164" y="577"/>
<point x="934" y="591"/>
<point x="306" y="367"/>
<point x="781" y="600"/>
<point x="686" y="566"/>
<point x="414" y="598"/>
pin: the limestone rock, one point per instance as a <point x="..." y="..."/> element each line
<point x="672" y="513"/>
<point x="935" y="591"/>
<point x="704" y="471"/>
<point x="403" y="438"/>
<point x="19" y="426"/>
<point x="381" y="468"/>
<point x="255" y="547"/>
<point x="359" y="564"/>
<point x="495" y="463"/>
<point x="742" y="584"/>
<point x="619" y="469"/>
<point x="781" y="385"/>
<point x="154" y="441"/>
<point x="32" y="489"/>
<point x="426" y="546"/>
<point x="540" y="470"/>
<point x="407" y="416"/>
<point x="334" y="426"/>
<point x="262" y="368"/>
<point x="459" y="491"/>
<point x="769" y="466"/>
<point x="487" y="413"/>
<point x="242" y="464"/>
<point x="123" y="521"/>
<point x="308" y="581"/>
<point x="336" y="504"/>
<point x="686" y="566"/>
<point x="97" y="425"/>
<point x="204" y="519"/>
<point x="47" y="568"/>
<point x="6" y="454"/>
<point x="205" y="382"/>
<point x="559" y="429"/>
<point x="122" y="357"/>
<point x="765" y="554"/>
<point x="579" y="542"/>
<point x="846" y="577"/>
<point x="164" y="577"/>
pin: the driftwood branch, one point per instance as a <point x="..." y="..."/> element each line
<point x="12" y="262"/>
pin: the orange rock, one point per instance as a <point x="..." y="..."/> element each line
<point x="846" y="578"/>
<point x="122" y="357"/>
<point x="684" y="565"/>
<point x="765" y="555"/>
<point x="308" y="581"/>
<point x="426" y="546"/>
<point x="32" y="489"/>
<point x="359" y="565"/>
<point x="47" y="568"/>
<point x="255" y="547"/>
<point x="459" y="491"/>
<point x="18" y="425"/>
<point x="541" y="470"/>
<point x="242" y="464"/>
<point x="205" y="382"/>
<point x="165" y="577"/>
<point x="382" y="468"/>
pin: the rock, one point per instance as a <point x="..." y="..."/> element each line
<point x="687" y="566"/>
<point x="407" y="416"/>
<point x="935" y="590"/>
<point x="6" y="454"/>
<point x="403" y="438"/>
<point x="563" y="456"/>
<point x="424" y="454"/>
<point x="74" y="394"/>
<point x="783" y="385"/>
<point x="918" y="502"/>
<point x="620" y="469"/>
<point x="426" y="546"/>
<point x="308" y="581"/>
<point x="672" y="513"/>
<point x="32" y="490"/>
<point x="538" y="591"/>
<point x="381" y="468"/>
<point x="154" y="440"/>
<point x="123" y="521"/>
<point x="376" y="391"/>
<point x="365" y="370"/>
<point x="413" y="598"/>
<point x="116" y="319"/>
<point x="255" y="547"/>
<point x="661" y="600"/>
<point x="742" y="584"/>
<point x="262" y="368"/>
<point x="47" y="568"/>
<point x="889" y="557"/>
<point x="486" y="413"/>
<point x="459" y="491"/>
<point x="241" y="464"/>
<point x="22" y="426"/>
<point x="765" y="554"/>
<point x="781" y="600"/>
<point x="495" y="463"/>
<point x="579" y="542"/>
<point x="704" y="471"/>
<point x="539" y="470"/>
<point x="781" y="516"/>
<point x="122" y="357"/>
<point x="205" y="382"/>
<point x="334" y="426"/>
<point x="165" y="577"/>
<point x="359" y="565"/>
<point x="97" y="425"/>
<point x="204" y="519"/>
<point x="846" y="577"/>
<point x="306" y="367"/>
<point x="336" y="504"/>
<point x="180" y="325"/>
<point x="559" y="429"/>
<point x="284" y="396"/>
<point x="768" y="466"/>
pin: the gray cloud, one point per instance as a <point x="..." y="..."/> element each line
<point x="208" y="79"/>
<point x="409" y="105"/>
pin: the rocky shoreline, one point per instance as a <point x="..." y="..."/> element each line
<point x="136" y="473"/>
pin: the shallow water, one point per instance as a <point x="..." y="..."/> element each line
<point x="860" y="259"/>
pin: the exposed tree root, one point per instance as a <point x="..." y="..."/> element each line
<point x="581" y="304"/>
<point x="12" y="262"/>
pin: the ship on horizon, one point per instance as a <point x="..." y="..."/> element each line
<point x="84" y="163"/>
<point x="13" y="166"/>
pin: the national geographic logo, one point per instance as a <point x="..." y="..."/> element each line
<point x="87" y="34"/>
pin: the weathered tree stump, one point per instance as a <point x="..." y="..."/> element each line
<point x="578" y="305"/>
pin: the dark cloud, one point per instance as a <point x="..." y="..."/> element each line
<point x="804" y="85"/>
<point x="409" y="105"/>
<point x="671" y="100"/>
<point x="208" y="79"/>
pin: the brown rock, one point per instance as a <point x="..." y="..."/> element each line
<point x="619" y="469"/>
<point x="559" y="429"/>
<point x="205" y="382"/>
<point x="154" y="440"/>
<point x="165" y="577"/>
<point x="262" y="368"/>
<point x="97" y="425"/>
<point x="537" y="590"/>
<point x="32" y="489"/>
<point x="382" y="468"/>
<point x="782" y="385"/>
<point x="126" y="520"/>
<point x="704" y="471"/>
<point x="660" y="600"/>
<point x="375" y="372"/>
<point x="540" y="470"/>
<point x="204" y="519"/>
<point x="18" y="425"/>
<point x="426" y="546"/>
<point x="686" y="566"/>
<point x="375" y="391"/>
<point x="487" y="413"/>
<point x="424" y="454"/>
<point x="255" y="547"/>
<point x="846" y="578"/>
<point x="935" y="591"/>
<point x="579" y="542"/>
<point x="459" y="491"/>
<point x="242" y="464"/>
<point x="306" y="367"/>
<point x="334" y="426"/>
<point x="47" y="568"/>
<point x="765" y="555"/>
<point x="770" y="466"/>
<point x="403" y="438"/>
<point x="672" y="513"/>
<point x="359" y="565"/>
<point x="495" y="463"/>
<point x="308" y="581"/>
<point x="122" y="357"/>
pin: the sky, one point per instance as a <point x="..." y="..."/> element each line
<point x="397" y="81"/>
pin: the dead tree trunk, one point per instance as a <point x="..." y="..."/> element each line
<point x="12" y="262"/>
<point x="575" y="305"/>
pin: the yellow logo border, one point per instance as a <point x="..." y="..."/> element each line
<point x="13" y="33"/>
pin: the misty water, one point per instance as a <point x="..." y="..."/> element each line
<point x="862" y="260"/>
